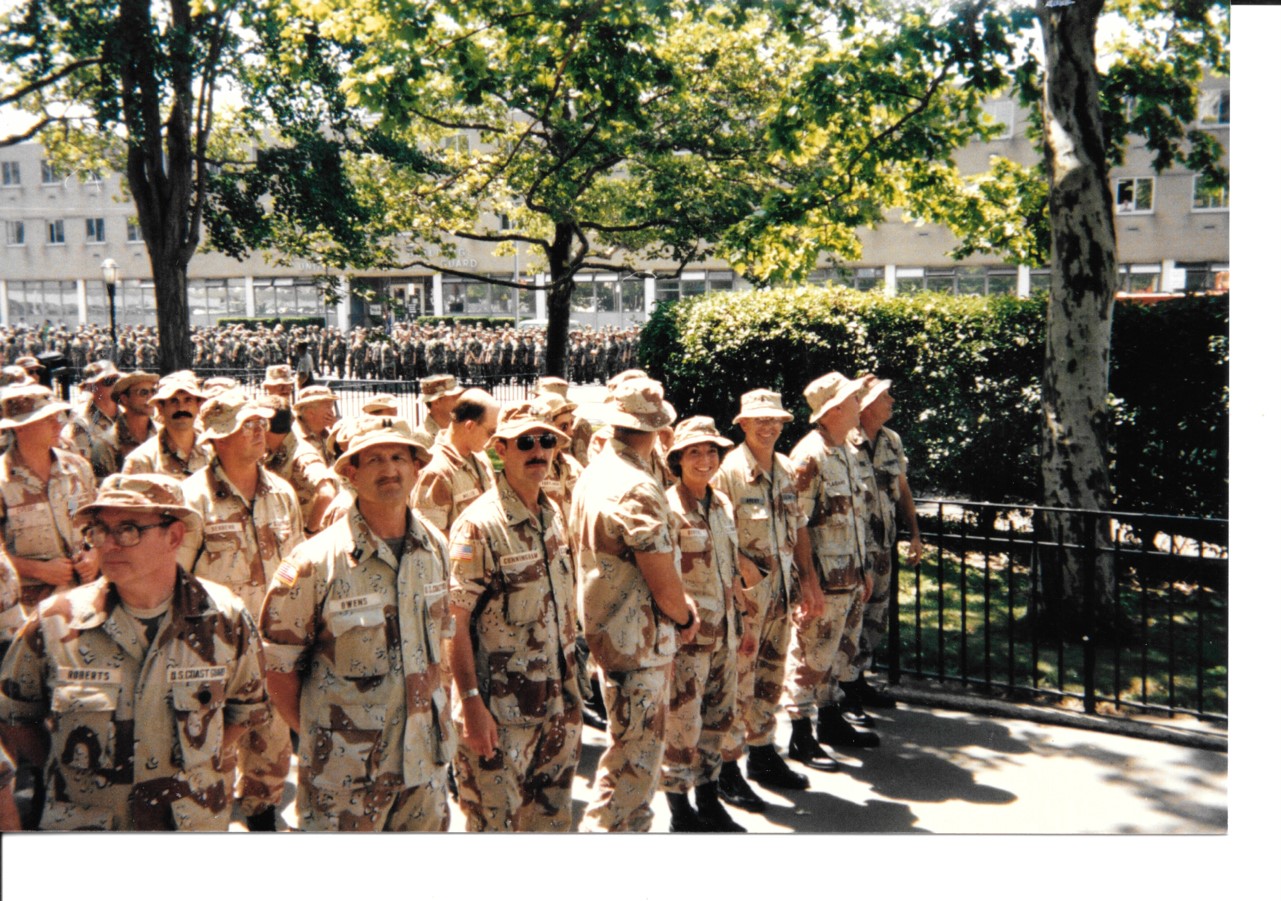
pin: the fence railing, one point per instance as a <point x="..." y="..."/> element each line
<point x="1146" y="633"/>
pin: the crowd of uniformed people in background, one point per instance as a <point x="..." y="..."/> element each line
<point x="206" y="588"/>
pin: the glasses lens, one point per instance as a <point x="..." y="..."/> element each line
<point x="126" y="535"/>
<point x="526" y="442"/>
<point x="546" y="441"/>
<point x="256" y="425"/>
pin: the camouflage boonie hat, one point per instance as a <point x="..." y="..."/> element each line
<point x="182" y="380"/>
<point x="24" y="404"/>
<point x="871" y="388"/>
<point x="222" y="415"/>
<point x="315" y="394"/>
<point x="553" y="405"/>
<point x="551" y="384"/>
<point x="15" y="375"/>
<point x="368" y="431"/>
<point x="625" y="375"/>
<point x="637" y="403"/>
<point x="762" y="403"/>
<point x="826" y="392"/>
<point x="526" y="416"/>
<point x="434" y="387"/>
<point x="697" y="430"/>
<point x="379" y="403"/>
<point x="128" y="381"/>
<point x="28" y="363"/>
<point x="280" y="374"/>
<point x="218" y="384"/>
<point x="97" y="371"/>
<point x="142" y="493"/>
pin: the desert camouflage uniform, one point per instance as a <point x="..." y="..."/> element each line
<point x="514" y="573"/>
<point x="157" y="454"/>
<point x="297" y="463"/>
<point x="704" y="676"/>
<point x="86" y="429"/>
<point x="833" y="500"/>
<point x="242" y="545"/>
<point x="363" y="631"/>
<point x="449" y="483"/>
<point x="12" y="613"/>
<point x="427" y="431"/>
<point x="619" y="508"/>
<point x="35" y="517"/>
<point x="581" y="439"/>
<point x="109" y="455"/>
<point x="882" y="462"/>
<point x="136" y="730"/>
<point x="313" y="441"/>
<point x="562" y="476"/>
<point x="768" y="517"/>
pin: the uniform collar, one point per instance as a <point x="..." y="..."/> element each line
<point x="360" y="543"/>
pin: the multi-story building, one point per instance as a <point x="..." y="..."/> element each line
<point x="1172" y="235"/>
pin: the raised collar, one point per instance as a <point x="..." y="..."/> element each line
<point x="358" y="541"/>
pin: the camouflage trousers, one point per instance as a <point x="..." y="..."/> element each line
<point x="526" y="786"/>
<point x="262" y="762"/>
<point x="855" y="654"/>
<point x="627" y="778"/>
<point x="384" y="805"/>
<point x="701" y="712"/>
<point x="761" y="674"/>
<point x="812" y="657"/>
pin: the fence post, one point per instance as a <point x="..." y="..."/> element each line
<point x="896" y="666"/>
<point x="1091" y="597"/>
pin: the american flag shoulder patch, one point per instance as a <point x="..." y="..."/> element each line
<point x="462" y="551"/>
<point x="287" y="574"/>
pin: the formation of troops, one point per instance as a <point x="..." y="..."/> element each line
<point x="405" y="352"/>
<point x="202" y="586"/>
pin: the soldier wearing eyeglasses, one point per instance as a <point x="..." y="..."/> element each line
<point x="251" y="522"/>
<point x="134" y="425"/>
<point x="91" y="423"/>
<point x="131" y="689"/>
<point x="459" y="471"/>
<point x="512" y="595"/>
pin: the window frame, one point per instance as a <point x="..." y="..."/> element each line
<point x="11" y="173"/>
<point x="15" y="228"/>
<point x="1213" y="99"/>
<point x="1116" y="191"/>
<point x="1223" y="192"/>
<point x="95" y="230"/>
<point x="49" y="174"/>
<point x="60" y="225"/>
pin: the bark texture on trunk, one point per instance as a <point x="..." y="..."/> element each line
<point x="558" y="297"/>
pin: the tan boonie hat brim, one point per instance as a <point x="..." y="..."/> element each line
<point x="762" y="404"/>
<point x="24" y="404"/>
<point x="827" y="392"/>
<point x="149" y="493"/>
<point x="550" y="384"/>
<point x="638" y="403"/>
<point x="99" y="370"/>
<point x="697" y="430"/>
<point x="222" y="415"/>
<point x="171" y="384"/>
<point x="379" y="403"/>
<point x="314" y="395"/>
<point x="369" y="431"/>
<point x="878" y="387"/>
<point x="434" y="387"/>
<point x="522" y="418"/>
<point x="128" y="381"/>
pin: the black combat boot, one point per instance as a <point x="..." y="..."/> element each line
<point x="262" y="821"/>
<point x="871" y="697"/>
<point x="804" y="749"/>
<point x="714" y="816"/>
<point x="734" y="789"/>
<point x="684" y="819"/>
<point x="833" y="730"/>
<point x="767" y="767"/>
<point x="852" y="707"/>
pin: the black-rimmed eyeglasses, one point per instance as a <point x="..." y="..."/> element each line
<point x="125" y="535"/>
<point x="526" y="442"/>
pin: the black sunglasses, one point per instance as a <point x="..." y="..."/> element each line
<point x="526" y="442"/>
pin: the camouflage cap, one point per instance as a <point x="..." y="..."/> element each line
<point x="697" y="430"/>
<point x="142" y="493"/>
<point x="24" y="404"/>
<point x="368" y="431"/>
<point x="314" y="394"/>
<point x="826" y="392"/>
<point x="182" y="380"/>
<point x="280" y="374"/>
<point x="762" y="403"/>
<point x="218" y="384"/>
<point x="872" y="388"/>
<point x="551" y="384"/>
<point x="128" y="380"/>
<point x="625" y="375"/>
<point x="637" y="403"/>
<point x="526" y="416"/>
<point x="380" y="404"/>
<point x="222" y="415"/>
<point x="98" y="370"/>
<point x="553" y="405"/>
<point x="15" y="375"/>
<point x="434" y="387"/>
<point x="28" y="362"/>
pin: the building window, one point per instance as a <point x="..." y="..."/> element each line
<point x="1134" y="195"/>
<point x="1001" y="112"/>
<point x="57" y="231"/>
<point x="49" y="174"/>
<point x="1199" y="277"/>
<point x="15" y="233"/>
<point x="909" y="280"/>
<point x="1206" y="196"/>
<point x="1215" y="109"/>
<point x="1139" y="278"/>
<point x="10" y="173"/>
<point x="95" y="231"/>
<point x="133" y="231"/>
<point x="92" y="177"/>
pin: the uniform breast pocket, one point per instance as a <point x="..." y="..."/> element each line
<point x="360" y="643"/>
<point x="198" y="717"/>
<point x="527" y="592"/>
<point x="84" y="717"/>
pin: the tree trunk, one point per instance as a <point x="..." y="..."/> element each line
<point x="558" y="297"/>
<point x="1074" y="391"/>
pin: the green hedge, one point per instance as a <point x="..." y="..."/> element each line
<point x="289" y="322"/>
<point x="967" y="382"/>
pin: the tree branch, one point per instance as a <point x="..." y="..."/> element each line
<point x="49" y="79"/>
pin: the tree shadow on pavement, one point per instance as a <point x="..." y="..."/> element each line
<point x="817" y="812"/>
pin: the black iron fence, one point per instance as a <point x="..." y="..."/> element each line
<point x="1146" y="632"/>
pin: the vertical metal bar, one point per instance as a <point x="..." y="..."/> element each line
<point x="1143" y="617"/>
<point x="1009" y="606"/>
<point x="1091" y="599"/>
<point x="941" y="595"/>
<point x="987" y="600"/>
<point x="1118" y="627"/>
<point x="1034" y="599"/>
<point x="1170" y="596"/>
<point x="896" y="672"/>
<point x="1058" y="616"/>
<point x="918" y="641"/>
<point x="965" y="621"/>
<point x="1200" y="628"/>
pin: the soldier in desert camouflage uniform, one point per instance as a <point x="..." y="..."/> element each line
<point x="512" y="595"/>
<point x="704" y="672"/>
<point x="631" y="602"/>
<point x="279" y="381"/>
<point x="145" y="677"/>
<point x="353" y="626"/>
<point x="315" y="412"/>
<point x="297" y="462"/>
<point x="251" y="523"/>
<point x="459" y="471"/>
<point x="771" y="535"/>
<point x="833" y="499"/>
<point x="173" y="450"/>
<point x="440" y="395"/>
<point x="134" y="425"/>
<point x="91" y="424"/>
<point x="580" y="430"/>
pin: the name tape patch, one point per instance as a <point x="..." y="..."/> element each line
<point x="96" y="675"/>
<point x="519" y="561"/>
<point x="361" y="602"/>
<point x="196" y="674"/>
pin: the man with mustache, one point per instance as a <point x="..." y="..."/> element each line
<point x="512" y="596"/>
<point x="173" y="450"/>
<point x="134" y="425"/>
<point x="91" y="423"/>
<point x="251" y="522"/>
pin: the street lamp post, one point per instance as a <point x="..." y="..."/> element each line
<point x="110" y="273"/>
